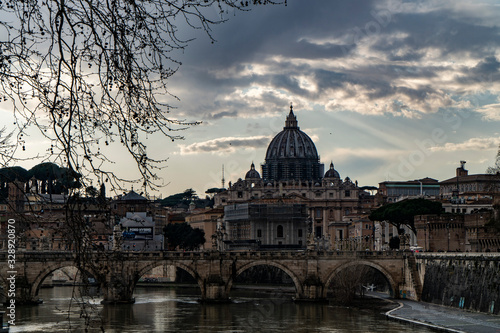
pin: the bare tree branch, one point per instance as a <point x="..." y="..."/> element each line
<point x="90" y="73"/>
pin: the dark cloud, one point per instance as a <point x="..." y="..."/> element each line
<point x="307" y="50"/>
<point x="230" y="114"/>
<point x="440" y="30"/>
<point x="484" y="73"/>
<point x="487" y="66"/>
<point x="331" y="79"/>
<point x="225" y="145"/>
<point x="358" y="49"/>
<point x="286" y="31"/>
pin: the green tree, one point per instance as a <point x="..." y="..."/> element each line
<point x="54" y="178"/>
<point x="394" y="242"/>
<point x="8" y="175"/>
<point x="179" y="198"/>
<point x="214" y="190"/>
<point x="194" y="240"/>
<point x="403" y="212"/>
<point x="183" y="236"/>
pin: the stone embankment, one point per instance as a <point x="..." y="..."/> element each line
<point x="466" y="281"/>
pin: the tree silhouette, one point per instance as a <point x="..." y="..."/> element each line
<point x="495" y="169"/>
<point x="183" y="236"/>
<point x="91" y="74"/>
<point x="179" y="198"/>
<point x="402" y="213"/>
<point x="6" y="147"/>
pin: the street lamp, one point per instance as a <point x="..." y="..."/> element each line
<point x="428" y="241"/>
<point x="448" y="229"/>
<point x="477" y="233"/>
<point x="425" y="238"/>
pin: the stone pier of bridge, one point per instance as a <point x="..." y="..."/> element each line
<point x="117" y="273"/>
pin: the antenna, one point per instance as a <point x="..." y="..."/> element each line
<point x="223" y="180"/>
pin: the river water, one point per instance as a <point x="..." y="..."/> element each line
<point x="177" y="310"/>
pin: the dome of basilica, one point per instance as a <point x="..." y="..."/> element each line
<point x="332" y="173"/>
<point x="292" y="155"/>
<point x="291" y="142"/>
<point x="252" y="173"/>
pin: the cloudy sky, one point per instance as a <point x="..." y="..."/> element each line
<point x="387" y="90"/>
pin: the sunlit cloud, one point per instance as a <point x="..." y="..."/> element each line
<point x="490" y="111"/>
<point x="471" y="144"/>
<point x="225" y="145"/>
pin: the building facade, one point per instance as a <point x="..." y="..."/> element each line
<point x="138" y="233"/>
<point x="466" y="194"/>
<point x="266" y="226"/>
<point x="393" y="191"/>
<point x="207" y="220"/>
<point x="292" y="172"/>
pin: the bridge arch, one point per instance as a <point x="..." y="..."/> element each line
<point x="298" y="285"/>
<point x="50" y="268"/>
<point x="392" y="282"/>
<point x="191" y="271"/>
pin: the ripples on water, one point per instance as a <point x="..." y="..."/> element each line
<point x="177" y="310"/>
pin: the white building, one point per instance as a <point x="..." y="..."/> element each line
<point x="138" y="233"/>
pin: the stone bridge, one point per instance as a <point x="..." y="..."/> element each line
<point x="118" y="272"/>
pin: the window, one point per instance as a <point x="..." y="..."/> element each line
<point x="331" y="194"/>
<point x="347" y="193"/>
<point x="259" y="232"/>
<point x="318" y="231"/>
<point x="318" y="212"/>
<point x="300" y="232"/>
<point x="280" y="231"/>
<point x="240" y="194"/>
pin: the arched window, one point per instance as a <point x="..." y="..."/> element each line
<point x="280" y="231"/>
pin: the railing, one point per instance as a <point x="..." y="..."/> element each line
<point x="194" y="255"/>
<point x="459" y="255"/>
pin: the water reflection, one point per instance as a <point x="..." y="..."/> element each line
<point x="174" y="310"/>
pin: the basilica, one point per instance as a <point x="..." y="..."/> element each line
<point x="293" y="174"/>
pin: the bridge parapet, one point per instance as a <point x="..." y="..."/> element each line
<point x="118" y="272"/>
<point x="68" y="255"/>
<point x="459" y="255"/>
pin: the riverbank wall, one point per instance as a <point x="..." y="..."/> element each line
<point x="467" y="280"/>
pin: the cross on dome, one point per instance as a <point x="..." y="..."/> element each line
<point x="291" y="120"/>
